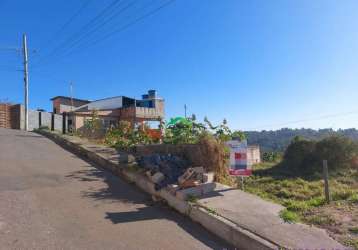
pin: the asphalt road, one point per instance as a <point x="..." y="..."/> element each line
<point x="51" y="199"/>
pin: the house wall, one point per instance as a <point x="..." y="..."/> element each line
<point x="64" y="104"/>
<point x="5" y="115"/>
<point x="253" y="154"/>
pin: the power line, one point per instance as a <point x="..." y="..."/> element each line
<point x="90" y="32"/>
<point x="68" y="22"/>
<point x="90" y="24"/>
<point x="150" y="13"/>
<point x="113" y="32"/>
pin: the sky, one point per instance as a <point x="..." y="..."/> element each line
<point x="259" y="64"/>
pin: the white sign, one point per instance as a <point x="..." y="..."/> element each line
<point x="239" y="165"/>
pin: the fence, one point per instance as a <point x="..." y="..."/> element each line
<point x="13" y="116"/>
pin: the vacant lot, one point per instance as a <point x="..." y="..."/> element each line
<point x="304" y="199"/>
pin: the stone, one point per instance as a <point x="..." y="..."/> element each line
<point x="199" y="170"/>
<point x="208" y="177"/>
<point x="186" y="176"/>
<point x="157" y="177"/>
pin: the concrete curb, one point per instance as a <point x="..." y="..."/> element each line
<point x="223" y="228"/>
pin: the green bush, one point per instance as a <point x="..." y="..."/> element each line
<point x="289" y="216"/>
<point x="125" y="137"/>
<point x="306" y="157"/>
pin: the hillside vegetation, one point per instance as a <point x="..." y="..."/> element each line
<point x="278" y="140"/>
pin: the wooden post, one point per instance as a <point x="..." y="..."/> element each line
<point x="52" y="122"/>
<point x="326" y="184"/>
<point x="241" y="182"/>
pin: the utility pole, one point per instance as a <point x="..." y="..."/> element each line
<point x="71" y="94"/>
<point x="26" y="81"/>
<point x="185" y="110"/>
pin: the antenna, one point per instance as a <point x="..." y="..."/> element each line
<point x="71" y="95"/>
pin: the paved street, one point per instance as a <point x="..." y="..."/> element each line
<point x="51" y="199"/>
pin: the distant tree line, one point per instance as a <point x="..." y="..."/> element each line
<point x="278" y="140"/>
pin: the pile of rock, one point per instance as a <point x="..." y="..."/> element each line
<point x="173" y="171"/>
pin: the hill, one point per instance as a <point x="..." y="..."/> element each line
<point x="278" y="140"/>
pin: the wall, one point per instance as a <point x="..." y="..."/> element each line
<point x="13" y="116"/>
<point x="196" y="154"/>
<point x="58" y="122"/>
<point x="5" y="115"/>
<point x="190" y="152"/>
<point x="33" y="120"/>
<point x="253" y="154"/>
<point x="46" y="119"/>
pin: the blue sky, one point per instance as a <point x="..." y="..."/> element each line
<point x="259" y="64"/>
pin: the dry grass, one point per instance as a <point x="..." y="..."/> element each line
<point x="304" y="199"/>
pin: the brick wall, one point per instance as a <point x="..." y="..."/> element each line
<point x="5" y="115"/>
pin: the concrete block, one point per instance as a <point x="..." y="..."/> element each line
<point x="208" y="177"/>
<point x="195" y="191"/>
<point x="199" y="170"/>
<point x="157" y="177"/>
<point x="186" y="176"/>
<point x="126" y="158"/>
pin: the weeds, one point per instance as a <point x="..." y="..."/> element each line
<point x="289" y="216"/>
<point x="353" y="230"/>
<point x="211" y="211"/>
<point x="192" y="198"/>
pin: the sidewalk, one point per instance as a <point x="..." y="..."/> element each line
<point x="243" y="219"/>
<point x="262" y="218"/>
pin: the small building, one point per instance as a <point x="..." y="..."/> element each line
<point x="253" y="154"/>
<point x="112" y="110"/>
<point x="63" y="104"/>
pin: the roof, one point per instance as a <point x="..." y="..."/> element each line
<point x="102" y="104"/>
<point x="69" y="98"/>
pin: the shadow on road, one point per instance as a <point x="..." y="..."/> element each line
<point x="120" y="191"/>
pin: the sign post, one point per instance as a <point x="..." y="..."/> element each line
<point x="239" y="165"/>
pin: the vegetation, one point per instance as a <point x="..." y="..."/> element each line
<point x="189" y="131"/>
<point x="271" y="156"/>
<point x="303" y="157"/>
<point x="278" y="140"/>
<point x="297" y="184"/>
<point x="125" y="136"/>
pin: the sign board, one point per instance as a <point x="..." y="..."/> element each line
<point x="239" y="165"/>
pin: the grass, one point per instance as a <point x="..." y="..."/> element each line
<point x="211" y="210"/>
<point x="192" y="198"/>
<point x="288" y="216"/>
<point x="353" y="230"/>
<point x="304" y="198"/>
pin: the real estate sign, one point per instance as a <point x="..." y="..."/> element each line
<point x="239" y="165"/>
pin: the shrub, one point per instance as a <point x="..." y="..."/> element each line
<point x="125" y="136"/>
<point x="339" y="151"/>
<point x="299" y="154"/>
<point x="305" y="157"/>
<point x="271" y="156"/>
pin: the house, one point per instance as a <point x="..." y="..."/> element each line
<point x="112" y="110"/>
<point x="253" y="154"/>
<point x="66" y="104"/>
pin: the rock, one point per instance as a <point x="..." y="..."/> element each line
<point x="189" y="183"/>
<point x="208" y="177"/>
<point x="127" y="158"/>
<point x="199" y="170"/>
<point x="157" y="177"/>
<point x="186" y="176"/>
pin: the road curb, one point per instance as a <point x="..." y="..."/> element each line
<point x="223" y="228"/>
